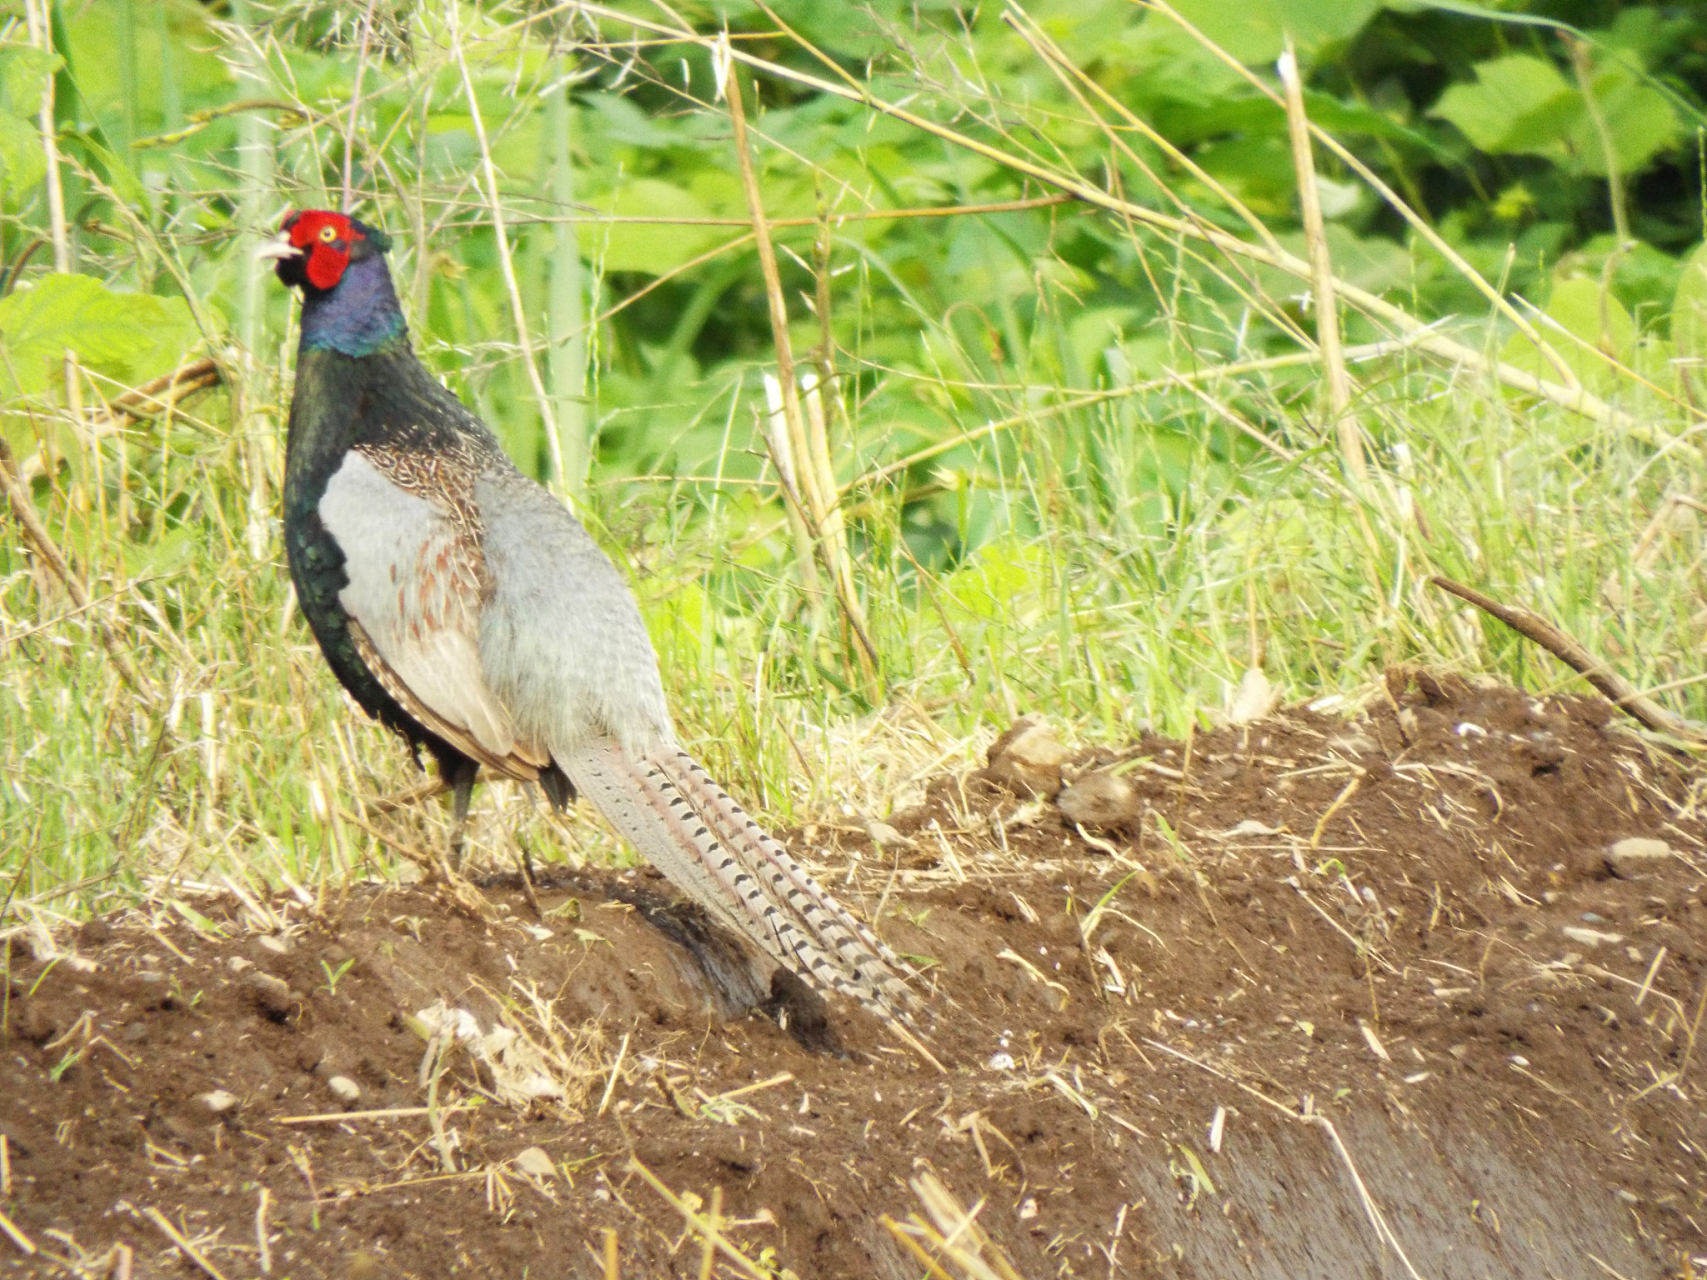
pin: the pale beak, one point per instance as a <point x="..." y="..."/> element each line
<point x="276" y="249"/>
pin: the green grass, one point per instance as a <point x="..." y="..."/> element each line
<point x="1102" y="621"/>
<point x="1116" y="566"/>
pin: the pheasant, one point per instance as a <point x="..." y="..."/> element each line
<point x="465" y="608"/>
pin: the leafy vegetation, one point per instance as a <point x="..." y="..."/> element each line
<point x="1064" y="435"/>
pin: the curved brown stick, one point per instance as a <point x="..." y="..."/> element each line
<point x="1623" y="694"/>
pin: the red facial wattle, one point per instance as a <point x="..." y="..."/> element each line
<point x="324" y="238"/>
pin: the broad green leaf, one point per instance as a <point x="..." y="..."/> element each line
<point x="1590" y="318"/>
<point x="652" y="248"/>
<point x="127" y="336"/>
<point x="24" y="73"/>
<point x="20" y="152"/>
<point x="1005" y="580"/>
<point x="1689" y="310"/>
<point x="1640" y="123"/>
<point x="1519" y="104"/>
<point x="1255" y="31"/>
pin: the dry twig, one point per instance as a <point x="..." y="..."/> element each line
<point x="1623" y="694"/>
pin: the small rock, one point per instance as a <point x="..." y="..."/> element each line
<point x="272" y="996"/>
<point x="534" y="1162"/>
<point x="218" y="1101"/>
<point x="1636" y="854"/>
<point x="1590" y="937"/>
<point x="272" y="942"/>
<point x="1100" y="800"/>
<point x="1028" y="758"/>
<point x="344" y="1089"/>
<point x="237" y="964"/>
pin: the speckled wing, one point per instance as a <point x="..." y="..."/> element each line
<point x="411" y="543"/>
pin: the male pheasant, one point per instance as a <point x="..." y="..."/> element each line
<point x="468" y="610"/>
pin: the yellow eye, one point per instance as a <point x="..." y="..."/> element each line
<point x="328" y="234"/>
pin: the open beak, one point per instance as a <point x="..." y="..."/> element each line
<point x="276" y="249"/>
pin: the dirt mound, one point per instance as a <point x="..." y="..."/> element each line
<point x="1319" y="997"/>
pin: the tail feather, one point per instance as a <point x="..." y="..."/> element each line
<point x="685" y="825"/>
<point x="860" y="950"/>
<point x="601" y="773"/>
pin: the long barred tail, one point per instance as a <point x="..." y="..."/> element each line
<point x="682" y="822"/>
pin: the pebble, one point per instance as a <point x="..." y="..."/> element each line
<point x="344" y="1089"/>
<point x="1590" y="937"/>
<point x="534" y="1162"/>
<point x="219" y="1101"/>
<point x="1636" y="854"/>
<point x="272" y="942"/>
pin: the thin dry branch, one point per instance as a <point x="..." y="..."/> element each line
<point x="1532" y="626"/>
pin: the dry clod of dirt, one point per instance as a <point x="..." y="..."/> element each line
<point x="271" y="995"/>
<point x="1389" y="953"/>
<point x="1027" y="759"/>
<point x="1102" y="801"/>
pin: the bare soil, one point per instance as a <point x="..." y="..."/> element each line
<point x="1366" y="996"/>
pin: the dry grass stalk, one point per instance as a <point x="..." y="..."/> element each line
<point x="37" y="535"/>
<point x="184" y="1246"/>
<point x="263" y="1245"/>
<point x="1623" y="694"/>
<point x="16" y="1235"/>
<point x="708" y="1230"/>
<point x="808" y="444"/>
<point x="1417" y="223"/>
<point x="495" y="204"/>
<point x="1308" y="1115"/>
<point x="780" y="440"/>
<point x="952" y="1233"/>
<point x="1322" y="277"/>
<point x="36" y="17"/>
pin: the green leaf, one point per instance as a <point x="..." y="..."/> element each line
<point x="24" y="73"/>
<point x="1689" y="309"/>
<point x="126" y="336"/>
<point x="1640" y="122"/>
<point x="1591" y="318"/>
<point x="1255" y="31"/>
<point x="652" y="248"/>
<point x="21" y="152"/>
<point x="1518" y="105"/>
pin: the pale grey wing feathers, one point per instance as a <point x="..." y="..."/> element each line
<point x="561" y="638"/>
<point x="414" y="588"/>
<point x="522" y="768"/>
